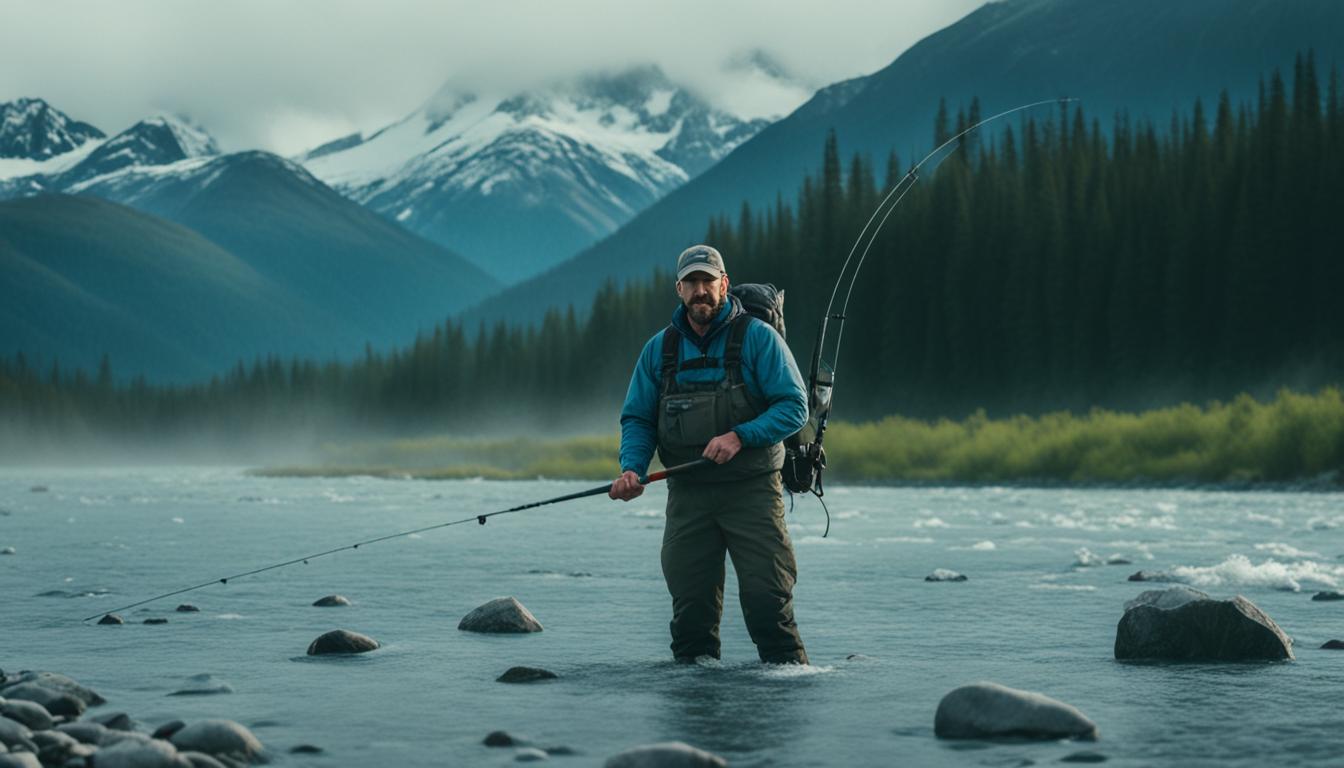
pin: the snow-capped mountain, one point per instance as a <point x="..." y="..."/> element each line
<point x="30" y="129"/>
<point x="519" y="183"/>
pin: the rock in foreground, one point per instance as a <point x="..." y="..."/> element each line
<point x="943" y="574"/>
<point x="525" y="675"/>
<point x="990" y="710"/>
<point x="670" y="754"/>
<point x="1328" y="596"/>
<point x="1186" y="624"/>
<point x="332" y="601"/>
<point x="342" y="641"/>
<point x="503" y="614"/>
<point x="220" y="738"/>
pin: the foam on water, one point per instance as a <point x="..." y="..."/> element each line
<point x="1239" y="571"/>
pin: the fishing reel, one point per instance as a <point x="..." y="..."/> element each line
<point x="803" y="464"/>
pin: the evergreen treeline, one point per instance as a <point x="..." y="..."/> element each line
<point x="1043" y="267"/>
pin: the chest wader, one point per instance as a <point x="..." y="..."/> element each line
<point x="733" y="508"/>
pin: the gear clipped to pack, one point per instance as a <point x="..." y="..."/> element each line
<point x="804" y="458"/>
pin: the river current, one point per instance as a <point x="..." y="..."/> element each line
<point x="1038" y="611"/>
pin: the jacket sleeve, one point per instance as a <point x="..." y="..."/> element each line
<point x="771" y="372"/>
<point x="639" y="415"/>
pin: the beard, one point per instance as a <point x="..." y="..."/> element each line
<point x="703" y="310"/>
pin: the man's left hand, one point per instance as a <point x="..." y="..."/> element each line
<point x="723" y="448"/>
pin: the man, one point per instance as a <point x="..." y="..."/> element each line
<point x="721" y="384"/>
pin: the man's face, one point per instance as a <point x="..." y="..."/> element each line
<point x="703" y="294"/>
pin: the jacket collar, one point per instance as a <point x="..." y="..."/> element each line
<point x="731" y="309"/>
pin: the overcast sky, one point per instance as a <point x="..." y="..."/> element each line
<point x="287" y="76"/>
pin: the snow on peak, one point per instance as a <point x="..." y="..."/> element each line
<point x="31" y="129"/>
<point x="191" y="138"/>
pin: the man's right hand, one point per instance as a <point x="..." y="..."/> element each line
<point x="626" y="487"/>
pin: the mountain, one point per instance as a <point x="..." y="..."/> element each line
<point x="30" y="129"/>
<point x="521" y="182"/>
<point x="1146" y="57"/>
<point x="342" y="274"/>
<point x="82" y="277"/>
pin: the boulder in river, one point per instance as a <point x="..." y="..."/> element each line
<point x="1333" y="645"/>
<point x="202" y="760"/>
<point x="57" y="748"/>
<point x="1185" y="624"/>
<point x="503" y="614"/>
<point x="220" y="738"/>
<point x="111" y="618"/>
<point x="15" y="734"/>
<point x="1328" y="596"/>
<point x="8" y="551"/>
<point x="135" y="753"/>
<point x="188" y="608"/>
<point x="990" y="711"/>
<point x="85" y="732"/>
<point x="668" y="754"/>
<point x="114" y="721"/>
<point x="1149" y="576"/>
<point x="943" y="574"/>
<point x="203" y="685"/>
<point x="525" y="675"/>
<point x="56" y="702"/>
<point x="332" y="601"/>
<point x="156" y="620"/>
<point x="30" y="713"/>
<point x="342" y="641"/>
<point x="56" y="682"/>
<point x="503" y="739"/>
<point x="530" y="755"/>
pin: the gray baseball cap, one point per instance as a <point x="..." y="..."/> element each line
<point x="700" y="258"/>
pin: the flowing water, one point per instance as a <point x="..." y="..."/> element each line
<point x="1039" y="612"/>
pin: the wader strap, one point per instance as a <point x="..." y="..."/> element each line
<point x="696" y="363"/>
<point x="671" y="346"/>
<point x="732" y="351"/>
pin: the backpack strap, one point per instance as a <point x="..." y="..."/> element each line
<point x="671" y="348"/>
<point x="732" y="351"/>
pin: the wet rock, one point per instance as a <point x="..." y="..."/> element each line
<point x="15" y="734"/>
<point x="111" y="618"/>
<point x="858" y="657"/>
<point x="39" y="489"/>
<point x="561" y="751"/>
<point x="943" y="574"/>
<point x="220" y="738"/>
<point x="166" y="730"/>
<point x="114" y="721"/>
<point x="57" y="748"/>
<point x="30" y="713"/>
<point x="990" y="710"/>
<point x="202" y="760"/>
<point x="503" y="614"/>
<point x="8" y="551"/>
<point x="1333" y="645"/>
<point x="530" y="755"/>
<point x="342" y="641"/>
<point x="84" y="732"/>
<point x="187" y="608"/>
<point x="1118" y="560"/>
<point x="669" y="754"/>
<point x="305" y="749"/>
<point x="525" y="675"/>
<point x="1084" y="757"/>
<point x="1149" y="576"/>
<point x="503" y="739"/>
<point x="19" y="760"/>
<point x="332" y="601"/>
<point x="59" y="704"/>
<point x="1328" y="596"/>
<point x="156" y="620"/>
<point x="134" y="753"/>
<point x="203" y="685"/>
<point x="1185" y="624"/>
<point x="57" y="682"/>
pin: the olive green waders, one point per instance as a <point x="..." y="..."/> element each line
<point x="744" y="518"/>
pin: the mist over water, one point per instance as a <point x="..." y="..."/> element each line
<point x="1039" y="612"/>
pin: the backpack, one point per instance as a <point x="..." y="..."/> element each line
<point x="804" y="458"/>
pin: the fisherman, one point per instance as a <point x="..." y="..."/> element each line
<point x="721" y="384"/>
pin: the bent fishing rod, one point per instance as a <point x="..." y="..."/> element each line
<point x="821" y="377"/>
<point x="646" y="479"/>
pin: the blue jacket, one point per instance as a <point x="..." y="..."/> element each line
<point x="768" y="368"/>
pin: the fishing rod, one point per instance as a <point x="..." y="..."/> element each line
<point x="646" y="479"/>
<point x="805" y="457"/>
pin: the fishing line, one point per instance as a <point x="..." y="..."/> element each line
<point x="652" y="477"/>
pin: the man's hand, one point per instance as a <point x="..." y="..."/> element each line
<point x="723" y="448"/>
<point x="626" y="487"/>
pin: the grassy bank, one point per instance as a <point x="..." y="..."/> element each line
<point x="1294" y="438"/>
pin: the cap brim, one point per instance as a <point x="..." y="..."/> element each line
<point x="707" y="269"/>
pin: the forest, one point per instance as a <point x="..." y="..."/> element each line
<point x="1050" y="265"/>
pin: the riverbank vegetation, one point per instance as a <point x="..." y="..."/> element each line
<point x="1292" y="439"/>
